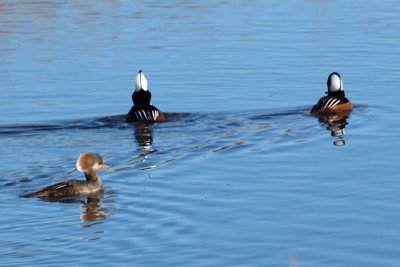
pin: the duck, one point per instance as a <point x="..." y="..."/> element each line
<point x="88" y="163"/>
<point x="335" y="101"/>
<point x="143" y="110"/>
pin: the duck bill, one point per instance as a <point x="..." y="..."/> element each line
<point x="105" y="166"/>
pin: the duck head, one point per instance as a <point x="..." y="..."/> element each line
<point x="142" y="95"/>
<point x="335" y="84"/>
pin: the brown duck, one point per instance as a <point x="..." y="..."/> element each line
<point x="89" y="164"/>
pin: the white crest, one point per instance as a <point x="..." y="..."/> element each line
<point x="336" y="84"/>
<point x="141" y="82"/>
<point x="79" y="163"/>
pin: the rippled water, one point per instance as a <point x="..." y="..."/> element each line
<point x="238" y="175"/>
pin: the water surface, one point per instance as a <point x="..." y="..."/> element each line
<point x="238" y="175"/>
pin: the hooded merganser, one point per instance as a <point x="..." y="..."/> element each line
<point x="142" y="109"/>
<point x="89" y="164"/>
<point x="335" y="101"/>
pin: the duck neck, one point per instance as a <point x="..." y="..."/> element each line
<point x="337" y="94"/>
<point x="141" y="98"/>
<point x="91" y="176"/>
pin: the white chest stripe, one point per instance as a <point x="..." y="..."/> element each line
<point x="138" y="115"/>
<point x="155" y="114"/>
<point x="327" y="103"/>
<point x="147" y="115"/>
<point x="334" y="103"/>
<point x="331" y="102"/>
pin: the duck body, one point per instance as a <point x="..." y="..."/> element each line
<point x="336" y="100"/>
<point x="143" y="110"/>
<point x="332" y="103"/>
<point x="69" y="188"/>
<point x="89" y="164"/>
<point x="147" y="113"/>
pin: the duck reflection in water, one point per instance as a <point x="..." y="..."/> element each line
<point x="144" y="135"/>
<point x="335" y="124"/>
<point x="93" y="212"/>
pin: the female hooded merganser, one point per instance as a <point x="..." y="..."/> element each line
<point x="142" y="109"/>
<point x="335" y="101"/>
<point x="89" y="164"/>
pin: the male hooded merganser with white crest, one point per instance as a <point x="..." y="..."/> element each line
<point x="142" y="109"/>
<point x="89" y="164"/>
<point x="335" y="101"/>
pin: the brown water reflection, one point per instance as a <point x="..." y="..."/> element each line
<point x="335" y="124"/>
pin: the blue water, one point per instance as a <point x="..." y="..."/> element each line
<point x="237" y="175"/>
